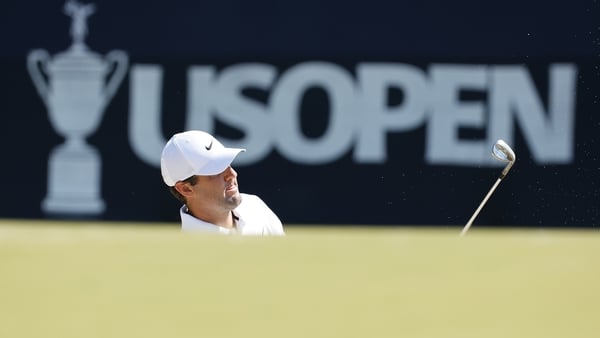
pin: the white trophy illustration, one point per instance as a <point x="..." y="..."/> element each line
<point x="76" y="86"/>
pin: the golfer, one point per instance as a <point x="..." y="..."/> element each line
<point x="197" y="169"/>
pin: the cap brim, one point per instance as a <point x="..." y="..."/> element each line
<point x="220" y="162"/>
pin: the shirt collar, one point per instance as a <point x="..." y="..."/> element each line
<point x="191" y="223"/>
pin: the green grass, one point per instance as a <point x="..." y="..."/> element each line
<point x="89" y="280"/>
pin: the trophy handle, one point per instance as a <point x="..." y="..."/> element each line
<point x="120" y="59"/>
<point x="37" y="61"/>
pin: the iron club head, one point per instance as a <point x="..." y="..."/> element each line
<point x="502" y="152"/>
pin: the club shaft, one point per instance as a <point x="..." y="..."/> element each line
<point x="466" y="228"/>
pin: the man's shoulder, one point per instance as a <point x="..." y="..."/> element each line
<point x="257" y="218"/>
<point x="251" y="199"/>
<point x="252" y="204"/>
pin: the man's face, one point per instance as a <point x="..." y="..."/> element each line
<point x="220" y="191"/>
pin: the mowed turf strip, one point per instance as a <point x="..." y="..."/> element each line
<point x="87" y="280"/>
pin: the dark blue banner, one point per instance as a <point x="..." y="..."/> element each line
<point x="351" y="115"/>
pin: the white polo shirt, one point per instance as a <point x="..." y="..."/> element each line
<point x="254" y="217"/>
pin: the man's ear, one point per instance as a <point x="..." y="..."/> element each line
<point x="185" y="189"/>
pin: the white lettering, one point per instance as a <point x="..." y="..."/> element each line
<point x="360" y="115"/>
<point x="376" y="118"/>
<point x="201" y="94"/>
<point x="449" y="114"/>
<point x="285" y="105"/>
<point x="145" y="134"/>
<point x="223" y="99"/>
<point x="548" y="134"/>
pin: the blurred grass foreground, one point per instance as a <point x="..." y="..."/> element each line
<point x="89" y="280"/>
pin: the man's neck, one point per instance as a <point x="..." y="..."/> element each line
<point x="223" y="218"/>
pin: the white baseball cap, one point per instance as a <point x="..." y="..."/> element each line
<point x="192" y="153"/>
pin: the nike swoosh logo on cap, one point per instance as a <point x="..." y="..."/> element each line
<point x="209" y="146"/>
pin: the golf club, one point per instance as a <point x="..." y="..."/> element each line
<point x="502" y="152"/>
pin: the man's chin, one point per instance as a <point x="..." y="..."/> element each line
<point x="234" y="200"/>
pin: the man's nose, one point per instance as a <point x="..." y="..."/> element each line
<point x="230" y="173"/>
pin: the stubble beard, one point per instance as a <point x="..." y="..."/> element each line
<point x="233" y="201"/>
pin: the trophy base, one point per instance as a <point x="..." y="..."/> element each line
<point x="70" y="206"/>
<point x="73" y="182"/>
